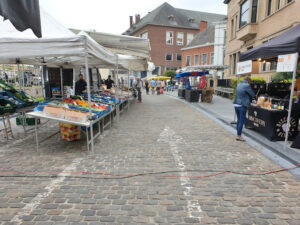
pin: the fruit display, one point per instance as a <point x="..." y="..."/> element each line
<point x="70" y="132"/>
<point x="12" y="99"/>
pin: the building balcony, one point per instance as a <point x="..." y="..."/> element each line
<point x="247" y="32"/>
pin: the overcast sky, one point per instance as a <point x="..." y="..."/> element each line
<point x="112" y="16"/>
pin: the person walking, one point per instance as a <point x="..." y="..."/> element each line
<point x="152" y="85"/>
<point x="243" y="97"/>
<point x="147" y="87"/>
<point x="138" y="86"/>
<point x="158" y="86"/>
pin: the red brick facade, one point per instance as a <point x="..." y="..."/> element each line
<point x="159" y="47"/>
<point x="197" y="51"/>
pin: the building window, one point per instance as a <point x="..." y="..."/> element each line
<point x="180" y="38"/>
<point x="178" y="57"/>
<point x="188" y="60"/>
<point x="288" y="1"/>
<point x="244" y="14"/>
<point x="169" y="57"/>
<point x="169" y="38"/>
<point x="212" y="58"/>
<point x="144" y="35"/>
<point x="249" y="48"/>
<point x="189" y="38"/>
<point x="269" y="8"/>
<point x="196" y="60"/>
<point x="234" y="63"/>
<point x="232" y="28"/>
<point x="254" y="11"/>
<point x="204" y="59"/>
<point x="157" y="70"/>
<point x="278" y="5"/>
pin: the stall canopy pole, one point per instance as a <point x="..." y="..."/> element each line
<point x="23" y="78"/>
<point x="19" y="80"/>
<point x="128" y="88"/>
<point x="61" y="82"/>
<point x="290" y="103"/>
<point x="117" y="88"/>
<point x="74" y="80"/>
<point x="88" y="78"/>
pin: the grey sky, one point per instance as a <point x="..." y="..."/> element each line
<point x="112" y="16"/>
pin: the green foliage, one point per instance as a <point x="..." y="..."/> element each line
<point x="282" y="77"/>
<point x="255" y="80"/>
<point x="170" y="73"/>
<point x="41" y="99"/>
<point x="258" y="80"/>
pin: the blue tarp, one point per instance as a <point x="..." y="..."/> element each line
<point x="191" y="74"/>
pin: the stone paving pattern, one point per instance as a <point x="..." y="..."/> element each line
<point x="132" y="147"/>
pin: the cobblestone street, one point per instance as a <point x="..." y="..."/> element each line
<point x="173" y="148"/>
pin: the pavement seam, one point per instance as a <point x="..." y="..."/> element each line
<point x="169" y="136"/>
<point x="36" y="201"/>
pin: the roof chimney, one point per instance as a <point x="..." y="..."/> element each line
<point x="131" y="21"/>
<point x="203" y="25"/>
<point x="137" y="18"/>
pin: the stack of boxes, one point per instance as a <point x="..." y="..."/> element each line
<point x="69" y="132"/>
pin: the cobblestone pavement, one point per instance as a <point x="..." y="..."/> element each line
<point x="159" y="135"/>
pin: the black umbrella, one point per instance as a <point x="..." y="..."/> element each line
<point x="23" y="14"/>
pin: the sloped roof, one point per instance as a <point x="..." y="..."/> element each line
<point x="205" y="37"/>
<point x="161" y="16"/>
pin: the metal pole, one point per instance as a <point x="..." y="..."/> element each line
<point x="23" y="78"/>
<point x="88" y="83"/>
<point x="117" y="91"/>
<point x="74" y="80"/>
<point x="19" y="80"/>
<point x="61" y="82"/>
<point x="128" y="88"/>
<point x="290" y="104"/>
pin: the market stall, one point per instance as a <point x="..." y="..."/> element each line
<point x="286" y="47"/>
<point x="191" y="94"/>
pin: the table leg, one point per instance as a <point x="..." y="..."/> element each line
<point x="92" y="137"/>
<point x="36" y="134"/>
<point x="87" y="137"/>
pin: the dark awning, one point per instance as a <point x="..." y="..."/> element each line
<point x="286" y="43"/>
<point x="23" y="14"/>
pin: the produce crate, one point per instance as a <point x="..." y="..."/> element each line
<point x="6" y="107"/>
<point x="29" y="121"/>
<point x="12" y="99"/>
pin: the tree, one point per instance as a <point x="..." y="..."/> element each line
<point x="170" y="73"/>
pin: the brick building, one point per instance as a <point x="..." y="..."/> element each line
<point x="169" y="29"/>
<point x="254" y="22"/>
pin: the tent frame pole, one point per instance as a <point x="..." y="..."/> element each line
<point x="117" y="89"/>
<point x="74" y="80"/>
<point x="128" y="89"/>
<point x="61" y="82"/>
<point x="290" y="103"/>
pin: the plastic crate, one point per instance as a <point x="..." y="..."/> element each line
<point x="29" y="121"/>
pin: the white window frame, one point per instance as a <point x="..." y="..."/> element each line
<point x="195" y="60"/>
<point x="187" y="37"/>
<point x="141" y="35"/>
<point x="177" y="58"/>
<point x="187" y="60"/>
<point x="171" y="57"/>
<point x="177" y="41"/>
<point x="171" y="39"/>
<point x="202" y="58"/>
<point x="211" y="63"/>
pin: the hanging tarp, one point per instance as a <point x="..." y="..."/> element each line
<point x="286" y="43"/>
<point x="191" y="74"/>
<point x="23" y="14"/>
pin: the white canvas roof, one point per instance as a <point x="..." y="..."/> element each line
<point x="57" y="47"/>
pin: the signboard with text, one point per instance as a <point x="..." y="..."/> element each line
<point x="287" y="63"/>
<point x="244" y="67"/>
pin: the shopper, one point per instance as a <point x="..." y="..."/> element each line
<point x="243" y="98"/>
<point x="147" y="87"/>
<point x="80" y="85"/>
<point x="158" y="86"/>
<point x="138" y="86"/>
<point x="163" y="85"/>
<point x="109" y="82"/>
<point x="152" y="85"/>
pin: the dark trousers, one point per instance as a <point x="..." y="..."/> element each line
<point x="147" y="90"/>
<point x="139" y="94"/>
<point x="241" y="118"/>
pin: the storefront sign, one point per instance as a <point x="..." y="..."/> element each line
<point x="287" y="63"/>
<point x="244" y="67"/>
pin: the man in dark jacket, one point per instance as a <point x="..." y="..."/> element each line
<point x="80" y="85"/>
<point x="109" y="82"/>
<point x="243" y="97"/>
